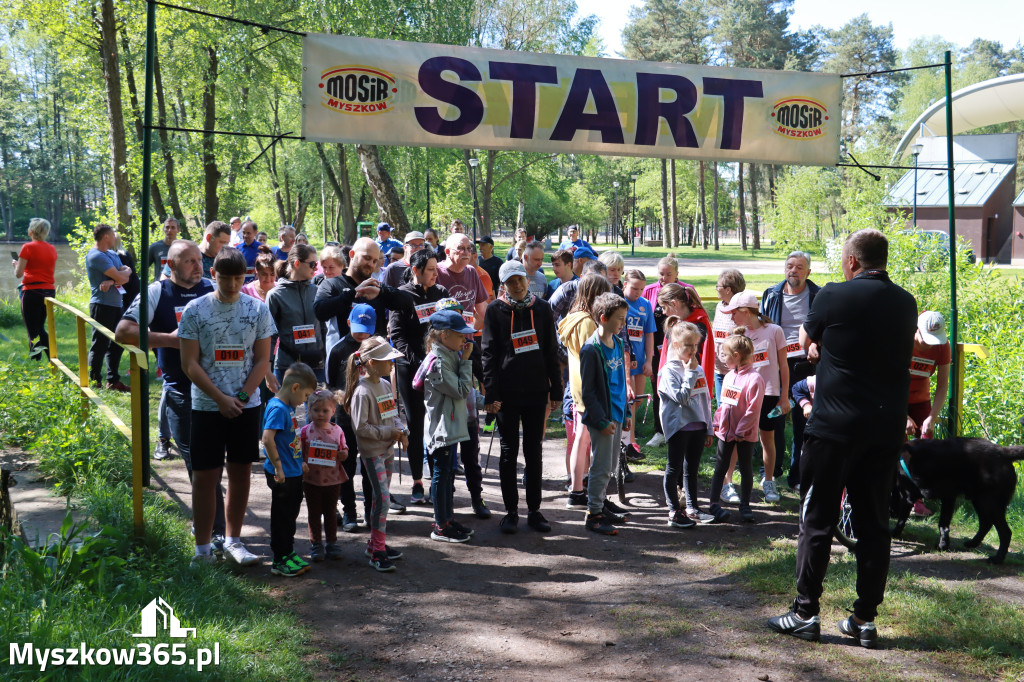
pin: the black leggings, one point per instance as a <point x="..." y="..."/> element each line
<point x="415" y="411"/>
<point x="684" y="451"/>
<point x="531" y="414"/>
<point x="33" y="309"/>
<point x="744" y="452"/>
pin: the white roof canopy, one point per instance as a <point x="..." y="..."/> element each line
<point x="987" y="103"/>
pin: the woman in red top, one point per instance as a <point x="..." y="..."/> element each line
<point x="34" y="267"/>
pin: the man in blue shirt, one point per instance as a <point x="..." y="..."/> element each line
<point x="250" y="248"/>
<point x="107" y="277"/>
<point x="384" y="240"/>
<point x="574" y="242"/>
<point x="287" y="237"/>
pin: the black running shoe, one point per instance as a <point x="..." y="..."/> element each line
<point x="577" y="500"/>
<point x="792" y="624"/>
<point x="628" y="476"/>
<point x="614" y="508"/>
<point x="866" y="633"/>
<point x="510" y="524"/>
<point x="679" y="519"/>
<point x="536" y="521"/>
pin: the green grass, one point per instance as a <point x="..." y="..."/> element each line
<point x="90" y="586"/>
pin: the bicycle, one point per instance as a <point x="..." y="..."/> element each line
<point x="844" y="527"/>
<point x="622" y="471"/>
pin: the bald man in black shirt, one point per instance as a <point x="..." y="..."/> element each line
<point x="863" y="332"/>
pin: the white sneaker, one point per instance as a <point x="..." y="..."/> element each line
<point x="729" y="494"/>
<point x="203" y="559"/>
<point x="657" y="441"/>
<point x="771" y="491"/>
<point x="241" y="555"/>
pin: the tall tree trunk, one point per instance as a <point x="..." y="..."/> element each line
<point x="340" y="193"/>
<point x="664" y="197"/>
<point x="211" y="175"/>
<point x="485" y="203"/>
<point x="743" y="211"/>
<point x="282" y="214"/>
<point x="703" y="206"/>
<point x="672" y="236"/>
<point x="348" y="220"/>
<point x="771" y="184"/>
<point x="165" y="148"/>
<point x="133" y="98"/>
<point x="115" y="115"/>
<point x="521" y="213"/>
<point x="753" y="206"/>
<point x="714" y="206"/>
<point x="389" y="204"/>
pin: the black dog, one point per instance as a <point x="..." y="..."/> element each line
<point x="945" y="469"/>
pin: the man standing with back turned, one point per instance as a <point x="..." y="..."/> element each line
<point x="863" y="331"/>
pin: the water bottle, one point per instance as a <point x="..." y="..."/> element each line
<point x="777" y="410"/>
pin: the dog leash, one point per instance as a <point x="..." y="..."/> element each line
<point x="903" y="465"/>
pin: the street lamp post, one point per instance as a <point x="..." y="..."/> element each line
<point x="615" y="213"/>
<point x="632" y="233"/>
<point x="915" y="150"/>
<point x="473" y="163"/>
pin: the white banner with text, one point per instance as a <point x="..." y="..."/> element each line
<point x="364" y="90"/>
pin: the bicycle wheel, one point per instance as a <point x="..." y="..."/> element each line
<point x="844" y="529"/>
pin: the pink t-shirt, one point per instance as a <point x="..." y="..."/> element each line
<point x="319" y="448"/>
<point x="739" y="411"/>
<point x="768" y="340"/>
<point x="465" y="287"/>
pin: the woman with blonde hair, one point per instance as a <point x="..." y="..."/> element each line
<point x="34" y="266"/>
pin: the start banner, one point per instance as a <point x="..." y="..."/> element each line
<point x="364" y="90"/>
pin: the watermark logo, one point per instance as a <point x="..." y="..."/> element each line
<point x="157" y="619"/>
<point x="800" y="118"/>
<point x="359" y="90"/>
<point x="158" y="612"/>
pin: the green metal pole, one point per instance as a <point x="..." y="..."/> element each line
<point x="954" y="408"/>
<point x="147" y="144"/>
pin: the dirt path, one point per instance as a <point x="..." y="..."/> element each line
<point x="652" y="603"/>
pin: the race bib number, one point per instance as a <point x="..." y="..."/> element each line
<point x="323" y="453"/>
<point x="304" y="333"/>
<point x="423" y="312"/>
<point x="795" y="350"/>
<point x="721" y="330"/>
<point x="921" y="367"/>
<point x="250" y="273"/>
<point x="523" y="342"/>
<point x="730" y="395"/>
<point x="468" y="317"/>
<point x="761" y="356"/>
<point x="163" y="262"/>
<point x="178" y="310"/>
<point x="636" y="332"/>
<point x="120" y="290"/>
<point x="387" y="406"/>
<point x="701" y="387"/>
<point x="229" y="355"/>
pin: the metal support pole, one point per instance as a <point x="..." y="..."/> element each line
<point x="954" y="407"/>
<point x="915" y="189"/>
<point x="632" y="229"/>
<point x="140" y="425"/>
<point x="428" y="192"/>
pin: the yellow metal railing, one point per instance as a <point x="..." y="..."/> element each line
<point x="139" y="362"/>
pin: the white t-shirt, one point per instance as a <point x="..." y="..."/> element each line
<point x="721" y="328"/>
<point x="227" y="333"/>
<point x="767" y="342"/>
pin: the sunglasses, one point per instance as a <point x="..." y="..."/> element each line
<point x="310" y="263"/>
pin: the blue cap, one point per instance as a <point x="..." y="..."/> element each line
<point x="362" y="319"/>
<point x="450" y="319"/>
<point x="584" y="252"/>
<point x="383" y="226"/>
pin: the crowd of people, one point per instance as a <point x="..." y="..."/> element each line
<point x="322" y="363"/>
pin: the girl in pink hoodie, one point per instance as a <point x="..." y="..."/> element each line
<point x="736" y="420"/>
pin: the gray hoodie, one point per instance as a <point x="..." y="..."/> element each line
<point x="685" y="398"/>
<point x="447" y="383"/>
<point x="291" y="306"/>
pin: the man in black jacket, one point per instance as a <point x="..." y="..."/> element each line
<point x="336" y="296"/>
<point x="787" y="304"/>
<point x="863" y="330"/>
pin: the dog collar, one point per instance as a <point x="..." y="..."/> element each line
<point x="903" y="464"/>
